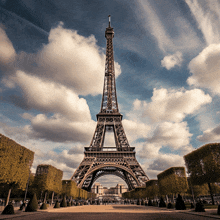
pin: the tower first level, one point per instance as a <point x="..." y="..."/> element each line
<point x="99" y="163"/>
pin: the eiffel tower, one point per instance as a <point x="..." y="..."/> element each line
<point x="98" y="159"/>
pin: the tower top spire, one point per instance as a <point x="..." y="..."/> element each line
<point x="109" y="98"/>
<point x="109" y="20"/>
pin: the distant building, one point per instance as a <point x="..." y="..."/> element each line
<point x="110" y="192"/>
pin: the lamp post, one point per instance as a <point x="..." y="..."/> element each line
<point x="25" y="196"/>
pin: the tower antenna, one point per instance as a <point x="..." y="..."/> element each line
<point x="109" y="20"/>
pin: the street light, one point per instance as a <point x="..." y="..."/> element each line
<point x="28" y="181"/>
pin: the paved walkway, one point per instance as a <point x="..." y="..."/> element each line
<point x="122" y="209"/>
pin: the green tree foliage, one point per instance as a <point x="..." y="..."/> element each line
<point x="152" y="189"/>
<point x="32" y="206"/>
<point x="172" y="181"/>
<point x="203" y="165"/>
<point x="137" y="193"/>
<point x="9" y="209"/>
<point x="43" y="206"/>
<point x="140" y="192"/>
<point x="197" y="190"/>
<point x="63" y="202"/>
<point x="91" y="195"/>
<point x="69" y="188"/>
<point x="15" y="163"/>
<point x="215" y="188"/>
<point x="200" y="190"/>
<point x="57" y="205"/>
<point x="48" y="178"/>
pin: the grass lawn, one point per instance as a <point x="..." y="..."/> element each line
<point x="210" y="206"/>
<point x="206" y="206"/>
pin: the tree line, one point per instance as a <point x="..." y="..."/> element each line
<point x="203" y="168"/>
<point x="15" y="176"/>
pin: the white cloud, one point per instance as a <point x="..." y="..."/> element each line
<point x="64" y="161"/>
<point x="207" y="15"/>
<point x="175" y="135"/>
<point x="205" y="69"/>
<point x="167" y="131"/>
<point x="69" y="59"/>
<point x="7" y="52"/>
<point x="165" y="161"/>
<point x="149" y="150"/>
<point x="164" y="116"/>
<point x="156" y="165"/>
<point x="59" y="129"/>
<point x="51" y="97"/>
<point x="210" y="135"/>
<point x="69" y="119"/>
<point x="174" y="105"/>
<point x="135" y="129"/>
<point x="170" y="61"/>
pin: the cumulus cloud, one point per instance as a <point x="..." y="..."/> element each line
<point x="149" y="150"/>
<point x="164" y="116"/>
<point x="59" y="129"/>
<point x="64" y="161"/>
<point x="174" y="105"/>
<point x="207" y="16"/>
<point x="205" y="69"/>
<point x="210" y="135"/>
<point x="69" y="116"/>
<point x="164" y="161"/>
<point x="167" y="131"/>
<point x="15" y="132"/>
<point x="50" y="97"/>
<point x="7" y="52"/>
<point x="135" y="129"/>
<point x="156" y="165"/>
<point x="175" y="135"/>
<point x="70" y="59"/>
<point x="51" y="81"/>
<point x="170" y="61"/>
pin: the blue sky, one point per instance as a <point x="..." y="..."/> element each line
<point x="167" y="65"/>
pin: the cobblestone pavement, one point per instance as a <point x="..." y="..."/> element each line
<point x="110" y="212"/>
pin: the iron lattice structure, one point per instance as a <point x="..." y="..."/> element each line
<point x="120" y="160"/>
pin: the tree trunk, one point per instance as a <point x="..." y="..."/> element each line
<point x="52" y="198"/>
<point x="9" y="193"/>
<point x="41" y="193"/>
<point x="192" y="193"/>
<point x="45" y="197"/>
<point x="167" y="198"/>
<point x="210" y="189"/>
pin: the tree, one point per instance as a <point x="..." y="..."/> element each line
<point x="172" y="181"/>
<point x="197" y="190"/>
<point x="69" y="188"/>
<point x="15" y="164"/>
<point x="203" y="165"/>
<point x="152" y="189"/>
<point x="32" y="206"/>
<point x="47" y="180"/>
